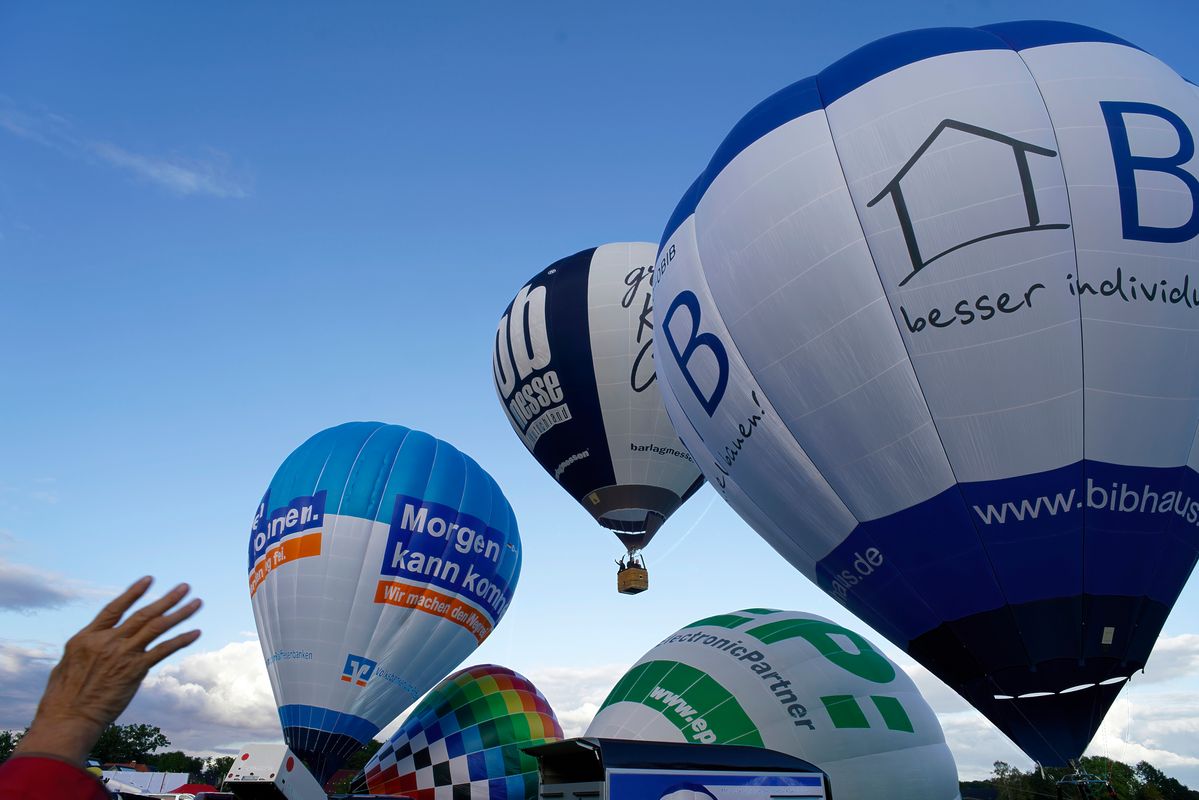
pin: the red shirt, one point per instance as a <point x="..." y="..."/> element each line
<point x="39" y="778"/>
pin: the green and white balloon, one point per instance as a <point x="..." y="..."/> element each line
<point x="791" y="682"/>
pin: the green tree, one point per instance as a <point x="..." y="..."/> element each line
<point x="8" y="743"/>
<point x="1010" y="783"/>
<point x="355" y="762"/>
<point x="1158" y="785"/>
<point x="178" y="761"/>
<point x="363" y="754"/>
<point x="122" y="744"/>
<point x="1147" y="791"/>
<point x="1124" y="779"/>
<point x="215" y="770"/>
<point x="1142" y="782"/>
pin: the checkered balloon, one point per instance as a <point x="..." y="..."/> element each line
<point x="464" y="740"/>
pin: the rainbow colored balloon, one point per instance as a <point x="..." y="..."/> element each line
<point x="464" y="740"/>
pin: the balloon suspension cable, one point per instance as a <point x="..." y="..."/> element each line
<point x="635" y="558"/>
<point x="675" y="545"/>
<point x="1127" y="729"/>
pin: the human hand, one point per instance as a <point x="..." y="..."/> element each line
<point x="101" y="669"/>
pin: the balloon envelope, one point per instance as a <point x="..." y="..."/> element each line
<point x="380" y="557"/>
<point x="928" y="322"/>
<point x="574" y="371"/>
<point x="465" y="739"/>
<point x="792" y="682"/>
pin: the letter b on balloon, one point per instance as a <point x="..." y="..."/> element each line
<point x="695" y="341"/>
<point x="1127" y="165"/>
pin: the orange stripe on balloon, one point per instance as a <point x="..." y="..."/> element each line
<point x="404" y="595"/>
<point x="287" y="550"/>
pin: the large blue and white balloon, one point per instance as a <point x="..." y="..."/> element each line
<point x="379" y="559"/>
<point x="929" y="320"/>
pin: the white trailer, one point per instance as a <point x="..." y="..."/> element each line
<point x="271" y="772"/>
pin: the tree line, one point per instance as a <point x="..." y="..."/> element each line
<point x="138" y="743"/>
<point x="1120" y="781"/>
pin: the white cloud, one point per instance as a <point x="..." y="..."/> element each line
<point x="24" y="669"/>
<point x="42" y="491"/>
<point x="181" y="176"/>
<point x="210" y="701"/>
<point x="24" y="588"/>
<point x="1159" y="727"/>
<point x="211" y="175"/>
<point x="939" y="696"/>
<point x="576" y="693"/>
<point x="976" y="745"/>
<point x="1172" y="657"/>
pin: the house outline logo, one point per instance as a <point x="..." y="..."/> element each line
<point x="358" y="669"/>
<point x="1020" y="151"/>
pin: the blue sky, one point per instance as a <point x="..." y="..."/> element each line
<point x="225" y="226"/>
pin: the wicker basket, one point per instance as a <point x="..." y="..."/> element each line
<point x="632" y="580"/>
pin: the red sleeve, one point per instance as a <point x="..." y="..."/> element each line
<point x="37" y="778"/>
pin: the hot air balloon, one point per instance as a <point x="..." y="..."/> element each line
<point x="466" y="739"/>
<point x="574" y="371"/>
<point x="927" y="321"/>
<point x="792" y="682"/>
<point x="380" y="557"/>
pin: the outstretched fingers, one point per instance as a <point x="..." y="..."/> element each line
<point x="111" y="614"/>
<point x="163" y="623"/>
<point x="138" y="620"/>
<point x="164" y="649"/>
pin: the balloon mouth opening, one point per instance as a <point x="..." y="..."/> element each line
<point x="1079" y="688"/>
<point x="638" y="534"/>
<point x="626" y="520"/>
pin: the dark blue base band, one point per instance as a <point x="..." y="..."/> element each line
<point x="1045" y="647"/>
<point x="322" y="752"/>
